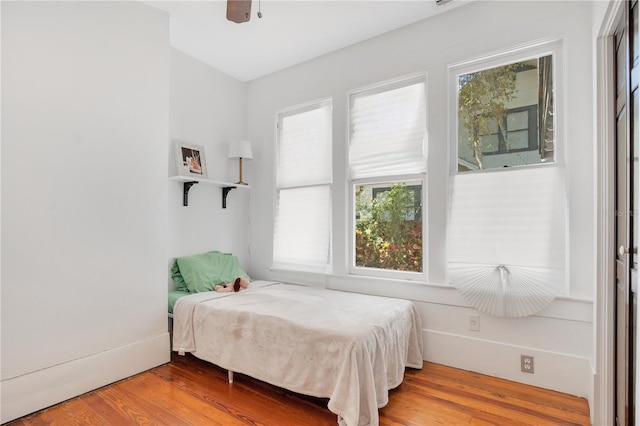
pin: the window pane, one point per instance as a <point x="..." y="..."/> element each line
<point x="304" y="147"/>
<point x="388" y="131"/>
<point x="518" y="120"/>
<point x="517" y="99"/>
<point x="490" y="143"/>
<point x="388" y="232"/>
<point x="302" y="226"/>
<point x="517" y="140"/>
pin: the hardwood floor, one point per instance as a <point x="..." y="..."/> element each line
<point x="189" y="391"/>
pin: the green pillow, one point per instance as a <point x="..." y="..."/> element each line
<point x="176" y="276"/>
<point x="203" y="272"/>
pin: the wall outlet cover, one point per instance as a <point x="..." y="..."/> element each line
<point x="526" y="364"/>
<point x="474" y="322"/>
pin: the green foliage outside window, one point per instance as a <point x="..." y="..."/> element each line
<point x="388" y="229"/>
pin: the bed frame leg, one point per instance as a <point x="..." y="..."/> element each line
<point x="230" y="374"/>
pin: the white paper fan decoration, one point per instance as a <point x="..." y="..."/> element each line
<point x="505" y="291"/>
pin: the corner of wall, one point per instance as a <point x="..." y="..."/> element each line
<point x="64" y="381"/>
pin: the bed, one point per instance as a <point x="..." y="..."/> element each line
<point x="349" y="348"/>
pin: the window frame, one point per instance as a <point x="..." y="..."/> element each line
<point x="553" y="47"/>
<point x="351" y="184"/>
<point x="280" y="115"/>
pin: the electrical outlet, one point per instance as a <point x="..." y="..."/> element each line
<point x="526" y="363"/>
<point x="474" y="322"/>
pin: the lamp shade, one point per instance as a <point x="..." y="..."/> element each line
<point x="240" y="149"/>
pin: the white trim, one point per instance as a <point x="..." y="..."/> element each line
<point x="509" y="55"/>
<point x="563" y="307"/>
<point x="298" y="276"/>
<point x="603" y="407"/>
<point x="80" y="376"/>
<point x="389" y="84"/>
<point x="387" y="179"/>
<point x="502" y="360"/>
<point x="303" y="107"/>
<point x="566" y="308"/>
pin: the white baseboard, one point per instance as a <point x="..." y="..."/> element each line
<point x="556" y="371"/>
<point x="40" y="389"/>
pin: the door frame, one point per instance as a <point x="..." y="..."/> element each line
<point x="605" y="126"/>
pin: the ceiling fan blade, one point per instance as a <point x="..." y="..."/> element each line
<point x="238" y="10"/>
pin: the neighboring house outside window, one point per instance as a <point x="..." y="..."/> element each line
<point x="415" y="196"/>
<point x="503" y="114"/>
<point x="517" y="132"/>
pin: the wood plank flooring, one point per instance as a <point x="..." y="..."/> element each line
<point x="188" y="391"/>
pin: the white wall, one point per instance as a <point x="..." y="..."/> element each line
<point x="85" y="113"/>
<point x="208" y="108"/>
<point x="561" y="337"/>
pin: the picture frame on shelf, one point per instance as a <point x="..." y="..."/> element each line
<point x="190" y="160"/>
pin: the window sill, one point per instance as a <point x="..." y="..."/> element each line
<point x="563" y="307"/>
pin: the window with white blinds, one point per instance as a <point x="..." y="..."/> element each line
<point x="387" y="165"/>
<point x="508" y="213"/>
<point x="388" y="127"/>
<point x="302" y="228"/>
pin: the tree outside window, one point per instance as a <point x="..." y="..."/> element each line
<point x="389" y="226"/>
<point x="506" y="112"/>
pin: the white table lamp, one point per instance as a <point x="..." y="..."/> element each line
<point x="240" y="150"/>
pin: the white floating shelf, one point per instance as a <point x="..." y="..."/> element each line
<point x="189" y="181"/>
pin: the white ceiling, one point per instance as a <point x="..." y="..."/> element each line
<point x="289" y="32"/>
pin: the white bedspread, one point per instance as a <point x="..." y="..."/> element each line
<point x="350" y="348"/>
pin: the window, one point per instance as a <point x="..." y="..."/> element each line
<point x="520" y="132"/>
<point x="304" y="170"/>
<point x="389" y="226"/>
<point x="505" y="115"/>
<point x="507" y="227"/>
<point x="387" y="165"/>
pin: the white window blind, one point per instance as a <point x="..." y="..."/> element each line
<point x="303" y="214"/>
<point x="388" y="131"/>
<point x="302" y="227"/>
<point x="304" y="150"/>
<point x="507" y="239"/>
